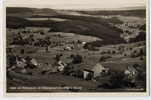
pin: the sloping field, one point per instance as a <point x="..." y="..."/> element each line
<point x="137" y="12"/>
<point x="79" y="25"/>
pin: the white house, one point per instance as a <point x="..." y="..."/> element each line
<point x="98" y="69"/>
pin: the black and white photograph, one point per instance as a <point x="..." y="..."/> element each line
<point x="76" y="46"/>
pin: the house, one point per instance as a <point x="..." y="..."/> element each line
<point x="34" y="62"/>
<point x="96" y="71"/>
<point x="61" y="66"/>
<point x="83" y="43"/>
<point x="20" y="63"/>
<point x="68" y="48"/>
<point x="88" y="74"/>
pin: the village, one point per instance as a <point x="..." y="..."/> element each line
<point x="34" y="52"/>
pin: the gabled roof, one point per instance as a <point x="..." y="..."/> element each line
<point x="88" y="70"/>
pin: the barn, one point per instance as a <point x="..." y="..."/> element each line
<point x="94" y="72"/>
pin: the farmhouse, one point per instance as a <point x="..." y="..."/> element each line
<point x="88" y="74"/>
<point x="96" y="71"/>
<point x="61" y="66"/>
<point x="68" y="48"/>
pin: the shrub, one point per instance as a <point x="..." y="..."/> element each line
<point x="113" y="52"/>
<point x="79" y="74"/>
<point x="141" y="58"/>
<point x="140" y="37"/>
<point x="77" y="59"/>
<point x="125" y="54"/>
<point x="103" y="58"/>
<point x="68" y="70"/>
<point x="143" y="27"/>
<point x="22" y="51"/>
<point x="117" y="80"/>
<point x="42" y="33"/>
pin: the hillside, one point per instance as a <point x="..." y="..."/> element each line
<point x="15" y="22"/>
<point x="80" y="24"/>
<point x="28" y="12"/>
<point x="74" y="24"/>
<point x="136" y="13"/>
<point x="13" y="10"/>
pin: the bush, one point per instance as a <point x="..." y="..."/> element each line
<point x="103" y="58"/>
<point x="42" y="33"/>
<point x="77" y="59"/>
<point x="79" y="74"/>
<point x="22" y="51"/>
<point x="125" y="54"/>
<point x="138" y="53"/>
<point x="141" y="58"/>
<point x="143" y="27"/>
<point x="68" y="70"/>
<point x="113" y="52"/>
<point x="91" y="46"/>
<point x="140" y="37"/>
<point x="117" y="80"/>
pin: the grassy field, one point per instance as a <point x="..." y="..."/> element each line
<point x="117" y="62"/>
<point x="75" y="24"/>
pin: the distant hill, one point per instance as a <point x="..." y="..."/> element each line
<point x="19" y="11"/>
<point x="28" y="12"/>
<point x="10" y="10"/>
<point x="16" y="22"/>
<point x="51" y="12"/>
<point x="137" y="13"/>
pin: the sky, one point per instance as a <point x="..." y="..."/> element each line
<point x="77" y="4"/>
